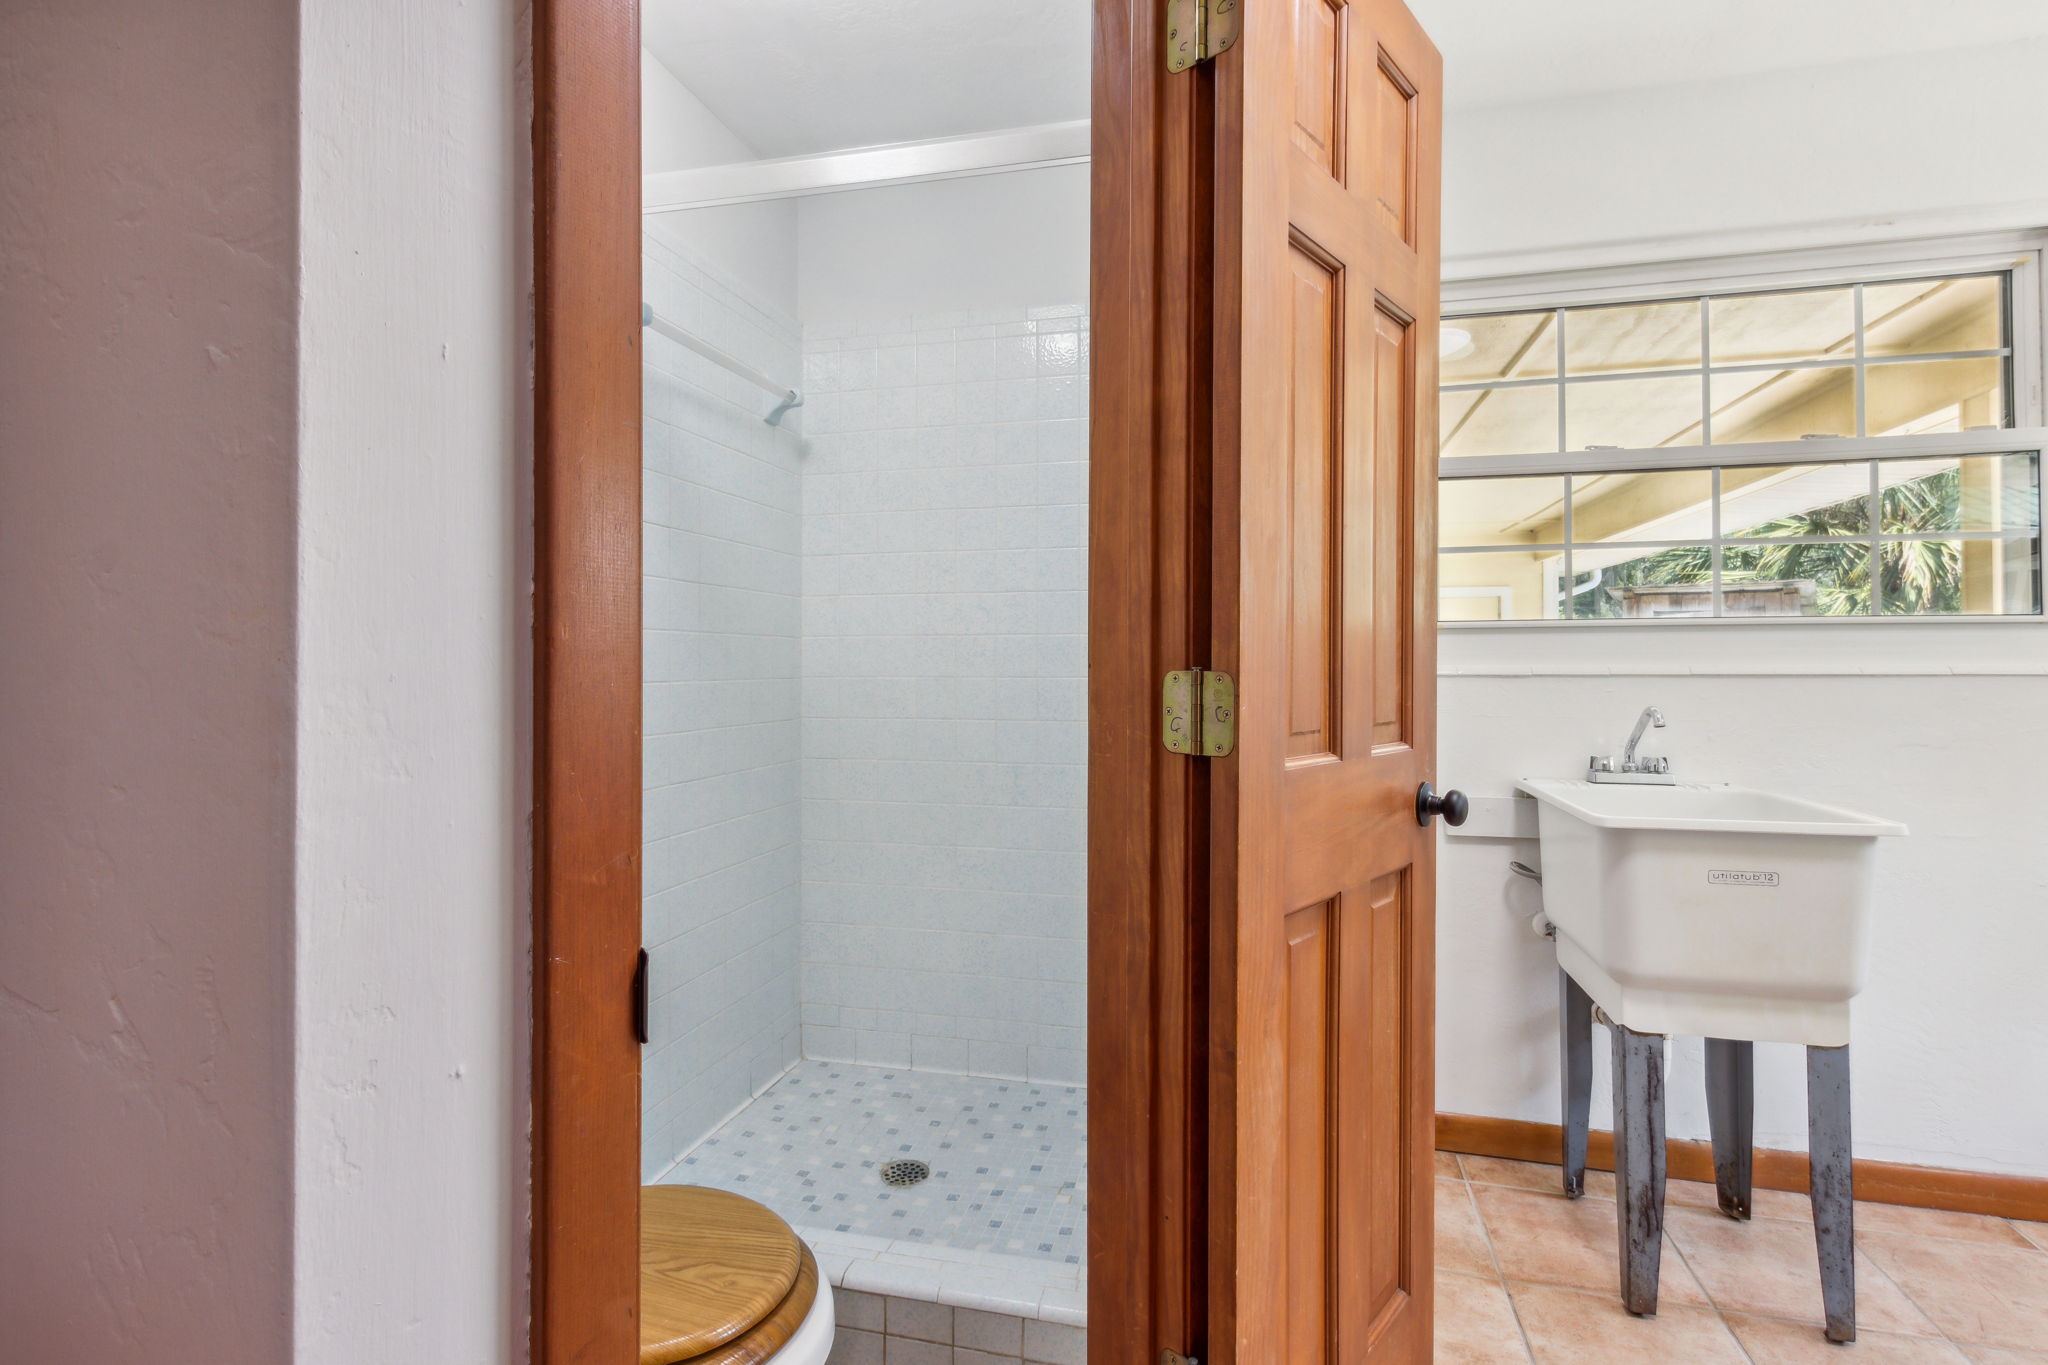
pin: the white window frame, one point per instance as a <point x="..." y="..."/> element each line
<point x="2018" y="254"/>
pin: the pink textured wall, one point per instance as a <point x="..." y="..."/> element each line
<point x="147" y="414"/>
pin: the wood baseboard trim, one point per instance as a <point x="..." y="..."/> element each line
<point x="1882" y="1182"/>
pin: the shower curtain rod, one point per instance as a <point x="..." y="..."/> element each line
<point x="791" y="398"/>
<point x="859" y="168"/>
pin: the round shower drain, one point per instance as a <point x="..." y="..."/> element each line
<point x="904" y="1172"/>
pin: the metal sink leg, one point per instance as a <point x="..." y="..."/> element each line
<point x="1575" y="1058"/>
<point x="1833" y="1185"/>
<point x="1731" y="1116"/>
<point x="1639" y="1164"/>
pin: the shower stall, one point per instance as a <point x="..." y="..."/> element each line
<point x="865" y="698"/>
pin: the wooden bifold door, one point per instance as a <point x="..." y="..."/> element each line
<point x="1324" y="877"/>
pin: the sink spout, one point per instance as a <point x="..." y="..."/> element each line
<point x="1651" y="716"/>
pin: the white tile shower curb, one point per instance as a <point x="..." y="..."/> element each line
<point x="990" y="1282"/>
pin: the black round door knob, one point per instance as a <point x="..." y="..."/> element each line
<point x="1452" y="805"/>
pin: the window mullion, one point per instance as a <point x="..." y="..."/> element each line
<point x="1861" y="372"/>
<point x="1832" y="450"/>
<point x="1571" y="582"/>
<point x="1563" y="397"/>
<point x="1707" y="388"/>
<point x="1707" y="442"/>
<point x="1714" y="531"/>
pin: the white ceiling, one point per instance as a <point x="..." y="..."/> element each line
<point x="1505" y="52"/>
<point x="794" y="76"/>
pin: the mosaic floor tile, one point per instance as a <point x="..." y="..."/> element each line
<point x="1008" y="1158"/>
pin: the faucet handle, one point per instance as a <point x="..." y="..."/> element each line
<point x="1600" y="764"/>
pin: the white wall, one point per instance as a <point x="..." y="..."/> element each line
<point x="1012" y="241"/>
<point x="721" y="822"/>
<point x="1929" y="723"/>
<point x="944" y="692"/>
<point x="754" y="244"/>
<point x="263" y="706"/>
<point x="414" y="575"/>
<point x="1901" y="144"/>
<point x="148" y="167"/>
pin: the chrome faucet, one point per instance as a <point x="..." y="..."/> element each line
<point x="1644" y="771"/>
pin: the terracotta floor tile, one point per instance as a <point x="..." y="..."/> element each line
<point x="1797" y="1207"/>
<point x="1991" y="1355"/>
<point x="1692" y="1194"/>
<point x="2037" y="1233"/>
<point x="1770" y="1268"/>
<point x="1447" y="1166"/>
<point x="1961" y="1227"/>
<point x="1981" y="1295"/>
<point x="1762" y="1203"/>
<point x="1460" y="1239"/>
<point x="1566" y="1327"/>
<point x="1530" y="1175"/>
<point x="1475" y="1323"/>
<point x="1548" y="1239"/>
<point x="1771" y="1341"/>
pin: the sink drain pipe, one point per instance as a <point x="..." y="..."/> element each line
<point x="1539" y="923"/>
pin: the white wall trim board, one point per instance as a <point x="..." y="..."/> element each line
<point x="414" y="739"/>
<point x="901" y="163"/>
<point x="1737" y="671"/>
<point x="1978" y="647"/>
<point x="1724" y="262"/>
<point x="1480" y="268"/>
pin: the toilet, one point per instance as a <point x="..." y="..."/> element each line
<point x="725" y="1281"/>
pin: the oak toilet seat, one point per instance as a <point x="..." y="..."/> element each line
<point x="725" y="1281"/>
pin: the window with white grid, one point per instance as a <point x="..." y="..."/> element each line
<point x="1828" y="441"/>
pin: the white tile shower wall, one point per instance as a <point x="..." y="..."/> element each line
<point x="722" y="579"/>
<point x="944" y="692"/>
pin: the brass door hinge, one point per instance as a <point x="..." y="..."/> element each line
<point x="1198" y="709"/>
<point x="1197" y="30"/>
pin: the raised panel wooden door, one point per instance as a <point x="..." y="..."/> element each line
<point x="1325" y="327"/>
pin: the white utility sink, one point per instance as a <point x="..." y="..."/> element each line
<point x="1707" y="911"/>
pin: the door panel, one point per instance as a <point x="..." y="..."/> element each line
<point x="1311" y="1049"/>
<point x="1319" y="82"/>
<point x="1314" y="475"/>
<point x="1322" y="1105"/>
<point x="1393" y="510"/>
<point x="1397" y="147"/>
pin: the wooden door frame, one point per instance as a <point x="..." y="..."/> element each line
<point x="586" y="687"/>
<point x="1150" y="426"/>
<point x="1148" y="570"/>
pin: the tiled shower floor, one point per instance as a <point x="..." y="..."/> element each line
<point x="1000" y="1224"/>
